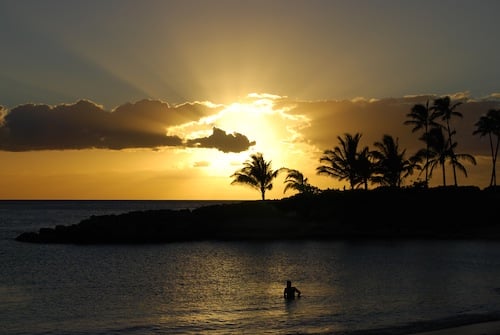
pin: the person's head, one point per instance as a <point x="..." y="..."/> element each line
<point x="288" y="283"/>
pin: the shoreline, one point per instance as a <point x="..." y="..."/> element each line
<point x="479" y="328"/>
<point x="466" y="324"/>
<point x="437" y="213"/>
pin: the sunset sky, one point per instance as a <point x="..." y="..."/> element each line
<point x="166" y="99"/>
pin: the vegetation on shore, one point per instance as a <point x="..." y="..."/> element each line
<point x="391" y="210"/>
<point x="387" y="165"/>
<point x="384" y="213"/>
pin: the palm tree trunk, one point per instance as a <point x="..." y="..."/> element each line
<point x="427" y="166"/>
<point x="444" y="174"/>
<point x="452" y="152"/>
<point x="454" y="170"/>
<point x="493" y="181"/>
<point x="493" y="158"/>
<point x="426" y="155"/>
<point x="494" y="174"/>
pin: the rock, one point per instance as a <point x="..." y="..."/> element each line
<point x="442" y="212"/>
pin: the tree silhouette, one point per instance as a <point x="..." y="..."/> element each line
<point x="489" y="124"/>
<point x="444" y="109"/>
<point x="344" y="162"/>
<point x="364" y="167"/>
<point x="421" y="118"/>
<point x="441" y="152"/>
<point x="256" y="173"/>
<point x="391" y="166"/>
<point x="296" y="181"/>
<point x="438" y="151"/>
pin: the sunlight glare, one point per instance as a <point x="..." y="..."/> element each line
<point x="276" y="132"/>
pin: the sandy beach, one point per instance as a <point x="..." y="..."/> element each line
<point x="483" y="328"/>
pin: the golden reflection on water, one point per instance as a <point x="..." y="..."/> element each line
<point x="216" y="289"/>
<point x="228" y="286"/>
<point x="14" y="295"/>
<point x="220" y="288"/>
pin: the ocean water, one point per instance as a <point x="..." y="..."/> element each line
<point x="348" y="287"/>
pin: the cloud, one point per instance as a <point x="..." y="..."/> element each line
<point x="375" y="117"/>
<point x="264" y="96"/>
<point x="154" y="124"/>
<point x="3" y="112"/>
<point x="85" y="125"/>
<point x="495" y="96"/>
<point x="221" y="140"/>
<point x="201" y="164"/>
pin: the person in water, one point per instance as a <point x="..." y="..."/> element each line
<point x="289" y="292"/>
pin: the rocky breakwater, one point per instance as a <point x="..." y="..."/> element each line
<point x="245" y="220"/>
<point x="434" y="213"/>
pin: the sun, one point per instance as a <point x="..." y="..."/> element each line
<point x="255" y="120"/>
<point x="259" y="121"/>
<point x="263" y="120"/>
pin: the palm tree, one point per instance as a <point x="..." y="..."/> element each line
<point x="296" y="181"/>
<point x="489" y="124"/>
<point x="443" y="108"/>
<point x="391" y="165"/>
<point x="365" y="168"/>
<point x="342" y="162"/>
<point x="256" y="173"/>
<point x="422" y="118"/>
<point x="440" y="152"/>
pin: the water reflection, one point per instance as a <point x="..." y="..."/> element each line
<point x="217" y="288"/>
<point x="242" y="283"/>
<point x="290" y="305"/>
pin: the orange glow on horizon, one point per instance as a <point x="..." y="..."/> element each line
<point x="287" y="133"/>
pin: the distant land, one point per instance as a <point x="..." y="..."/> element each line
<point x="409" y="213"/>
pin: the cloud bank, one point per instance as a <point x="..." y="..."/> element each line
<point x="375" y="117"/>
<point x="86" y="125"/>
<point x="149" y="124"/>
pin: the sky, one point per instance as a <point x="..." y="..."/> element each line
<point x="121" y="99"/>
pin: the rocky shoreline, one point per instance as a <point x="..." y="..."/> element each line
<point x="434" y="213"/>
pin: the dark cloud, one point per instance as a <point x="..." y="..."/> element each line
<point x="85" y="125"/>
<point x="374" y="118"/>
<point x="221" y="140"/>
<point x="144" y="124"/>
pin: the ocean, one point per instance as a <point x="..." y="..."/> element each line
<point x="215" y="287"/>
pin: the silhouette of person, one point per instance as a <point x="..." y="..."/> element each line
<point x="289" y="292"/>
